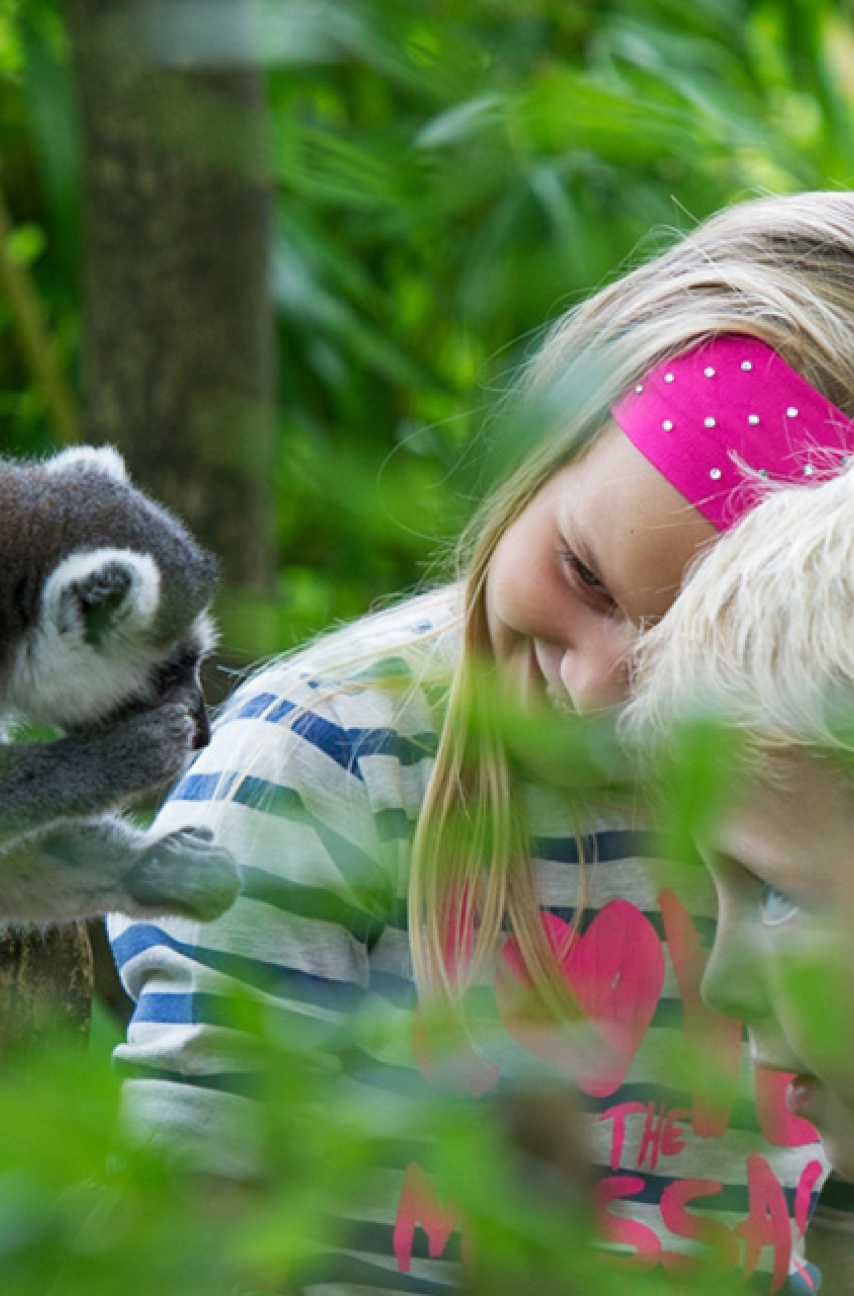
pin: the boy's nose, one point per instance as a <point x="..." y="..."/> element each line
<point x="734" y="982"/>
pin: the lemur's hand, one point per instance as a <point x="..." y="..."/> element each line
<point x="138" y="752"/>
<point x="153" y="746"/>
<point x="185" y="872"/>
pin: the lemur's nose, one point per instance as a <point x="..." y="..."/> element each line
<point x="203" y="729"/>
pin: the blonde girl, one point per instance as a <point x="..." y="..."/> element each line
<point x="389" y="841"/>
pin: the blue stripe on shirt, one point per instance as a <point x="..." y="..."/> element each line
<point x="364" y="877"/>
<point x="290" y="983"/>
<point x="344" y="746"/>
<point x="320" y="903"/>
<point x="599" y="848"/>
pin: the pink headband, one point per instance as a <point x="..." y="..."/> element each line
<point x="714" y="420"/>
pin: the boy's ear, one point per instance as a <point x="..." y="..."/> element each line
<point x="102" y="594"/>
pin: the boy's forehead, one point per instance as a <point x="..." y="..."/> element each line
<point x="792" y="823"/>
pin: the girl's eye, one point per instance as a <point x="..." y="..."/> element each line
<point x="776" y="905"/>
<point x="580" y="574"/>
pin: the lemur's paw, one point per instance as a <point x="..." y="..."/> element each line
<point x="163" y="740"/>
<point x="185" y="873"/>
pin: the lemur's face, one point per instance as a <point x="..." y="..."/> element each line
<point x="176" y="677"/>
<point x="93" y="652"/>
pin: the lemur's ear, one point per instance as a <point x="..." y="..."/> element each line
<point x="105" y="594"/>
<point x="102" y="459"/>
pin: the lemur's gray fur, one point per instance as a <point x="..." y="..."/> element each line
<point x="103" y="626"/>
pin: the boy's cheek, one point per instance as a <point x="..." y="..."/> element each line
<point x="813" y="982"/>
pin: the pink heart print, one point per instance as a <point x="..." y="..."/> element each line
<point x="616" y="972"/>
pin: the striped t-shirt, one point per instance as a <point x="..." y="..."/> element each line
<point x="314" y="780"/>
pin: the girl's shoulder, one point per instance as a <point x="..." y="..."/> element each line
<point x="378" y="664"/>
<point x="422" y="630"/>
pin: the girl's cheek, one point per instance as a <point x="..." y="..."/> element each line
<point x="503" y="638"/>
<point x="513" y="593"/>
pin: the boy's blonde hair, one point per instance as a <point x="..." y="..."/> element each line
<point x="762" y="636"/>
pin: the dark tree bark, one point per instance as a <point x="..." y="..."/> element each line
<point x="177" y="340"/>
<point x="177" y="343"/>
<point x="45" y="983"/>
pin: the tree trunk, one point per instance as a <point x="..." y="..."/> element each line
<point x="45" y="983"/>
<point x="177" y="339"/>
<point x="177" y="343"/>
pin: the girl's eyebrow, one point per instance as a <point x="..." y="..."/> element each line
<point x="587" y="556"/>
<point x="589" y="559"/>
<point x="581" y="547"/>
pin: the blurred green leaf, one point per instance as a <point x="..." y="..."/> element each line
<point x="26" y="244"/>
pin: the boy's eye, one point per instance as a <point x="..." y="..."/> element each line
<point x="776" y="905"/>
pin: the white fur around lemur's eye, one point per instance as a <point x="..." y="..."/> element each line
<point x="102" y="459"/>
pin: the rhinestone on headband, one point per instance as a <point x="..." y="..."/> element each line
<point x="760" y="418"/>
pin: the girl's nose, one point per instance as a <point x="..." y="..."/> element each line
<point x="594" y="678"/>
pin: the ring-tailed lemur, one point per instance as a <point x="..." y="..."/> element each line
<point x="103" y="626"/>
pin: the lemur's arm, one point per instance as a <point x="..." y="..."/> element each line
<point x="103" y="865"/>
<point x="87" y="774"/>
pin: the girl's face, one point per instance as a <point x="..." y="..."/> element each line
<point x="783" y="958"/>
<point x="599" y="551"/>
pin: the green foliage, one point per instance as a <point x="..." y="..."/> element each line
<point x="87" y="1210"/>
<point x="40" y="185"/>
<point x="448" y="178"/>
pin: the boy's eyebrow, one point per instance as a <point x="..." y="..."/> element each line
<point x="731" y="861"/>
<point x="758" y="870"/>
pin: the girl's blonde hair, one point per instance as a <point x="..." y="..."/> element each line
<point x="780" y="269"/>
<point x="762" y="636"/>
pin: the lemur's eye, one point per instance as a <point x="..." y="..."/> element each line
<point x="169" y="678"/>
<point x="178" y="671"/>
